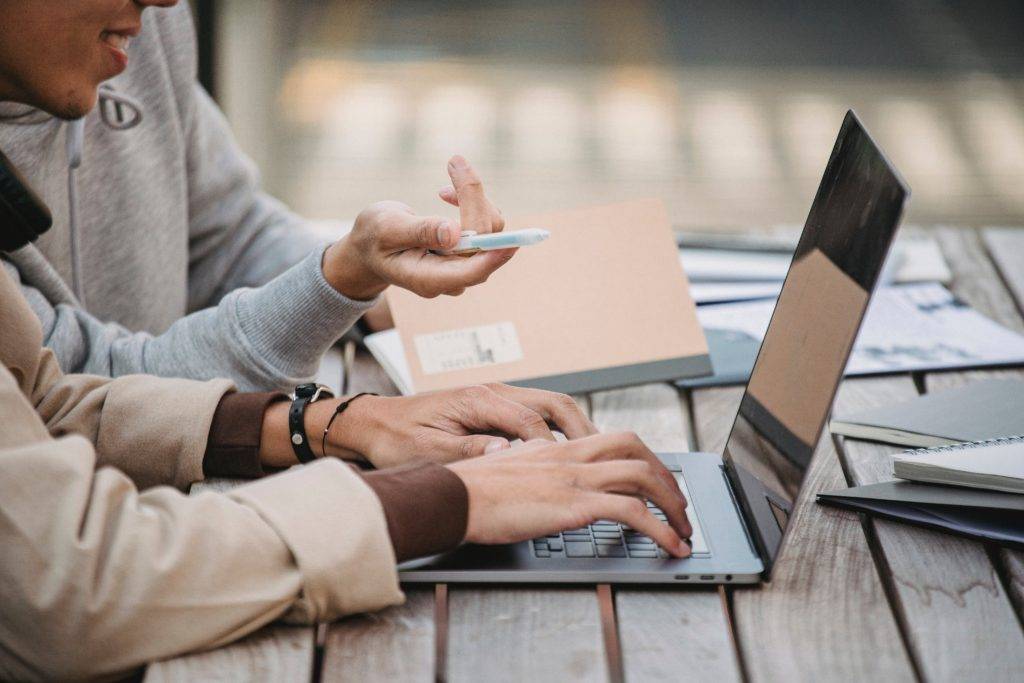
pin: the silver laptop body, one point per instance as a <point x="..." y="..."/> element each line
<point x="740" y="500"/>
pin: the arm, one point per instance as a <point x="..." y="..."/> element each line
<point x="88" y="559"/>
<point x="267" y="338"/>
<point x="152" y="429"/>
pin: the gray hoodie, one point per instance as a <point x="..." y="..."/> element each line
<point x="164" y="257"/>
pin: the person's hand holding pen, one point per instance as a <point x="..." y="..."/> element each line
<point x="391" y="245"/>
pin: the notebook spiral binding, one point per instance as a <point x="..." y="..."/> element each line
<point x="1002" y="441"/>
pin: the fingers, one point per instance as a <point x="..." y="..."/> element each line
<point x="634" y="513"/>
<point x="475" y="211"/>
<point x="452" y="447"/>
<point x="486" y="410"/>
<point x="449" y="195"/>
<point x="622" y="446"/>
<point x="640" y="478"/>
<point x="431" y="275"/>
<point x="404" y="230"/>
<point x="557" y="409"/>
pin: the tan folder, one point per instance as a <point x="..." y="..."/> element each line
<point x="602" y="303"/>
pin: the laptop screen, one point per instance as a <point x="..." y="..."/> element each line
<point x="840" y="254"/>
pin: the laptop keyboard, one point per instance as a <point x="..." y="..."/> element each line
<point x="606" y="538"/>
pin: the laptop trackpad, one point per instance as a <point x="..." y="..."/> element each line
<point x="697" y="541"/>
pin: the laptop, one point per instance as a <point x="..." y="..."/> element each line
<point x="741" y="500"/>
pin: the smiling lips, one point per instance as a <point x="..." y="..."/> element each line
<point x="117" y="43"/>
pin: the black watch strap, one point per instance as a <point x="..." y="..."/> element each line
<point x="304" y="395"/>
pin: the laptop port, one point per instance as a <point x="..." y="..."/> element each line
<point x="707" y="577"/>
<point x="682" y="577"/>
<point x="728" y="577"/>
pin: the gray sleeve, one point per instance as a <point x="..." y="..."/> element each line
<point x="267" y="338"/>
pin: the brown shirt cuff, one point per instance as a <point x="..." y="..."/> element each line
<point x="426" y="507"/>
<point x="233" y="447"/>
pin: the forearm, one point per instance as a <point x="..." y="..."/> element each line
<point x="272" y="337"/>
<point x="426" y="505"/>
<point x="87" y="557"/>
<point x="152" y="429"/>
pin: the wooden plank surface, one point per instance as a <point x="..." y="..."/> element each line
<point x="396" y="643"/>
<point x="525" y="632"/>
<point x="1005" y="246"/>
<point x="954" y="611"/>
<point x="995" y="287"/>
<point x="825" y="615"/>
<point x="666" y="634"/>
<point x="274" y="653"/>
<point x="975" y="279"/>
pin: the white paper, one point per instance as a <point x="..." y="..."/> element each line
<point x="331" y="371"/>
<point x="908" y="327"/>
<point x="915" y="258"/>
<point x="922" y="261"/>
<point x="468" y="348"/>
<point x="386" y="347"/>
<point x="727" y="265"/>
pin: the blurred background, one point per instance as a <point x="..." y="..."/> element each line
<point x="725" y="110"/>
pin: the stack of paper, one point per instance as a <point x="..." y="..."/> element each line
<point x="996" y="465"/>
<point x="727" y="271"/>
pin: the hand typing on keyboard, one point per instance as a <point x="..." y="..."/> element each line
<point x="543" y="488"/>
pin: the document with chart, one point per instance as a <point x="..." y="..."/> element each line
<point x="908" y="327"/>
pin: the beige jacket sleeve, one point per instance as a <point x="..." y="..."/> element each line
<point x="97" y="578"/>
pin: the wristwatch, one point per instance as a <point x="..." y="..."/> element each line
<point x="304" y="395"/>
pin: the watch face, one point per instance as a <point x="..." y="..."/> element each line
<point x="305" y="390"/>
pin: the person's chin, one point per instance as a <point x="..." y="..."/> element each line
<point x="75" y="104"/>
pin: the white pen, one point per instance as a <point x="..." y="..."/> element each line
<point x="470" y="242"/>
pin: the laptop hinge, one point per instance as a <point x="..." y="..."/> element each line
<point x="739" y="511"/>
<point x="749" y="527"/>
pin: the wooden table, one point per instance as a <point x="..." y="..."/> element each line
<point x="851" y="598"/>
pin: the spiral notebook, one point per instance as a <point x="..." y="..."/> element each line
<point x="993" y="464"/>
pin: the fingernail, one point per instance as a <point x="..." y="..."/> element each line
<point x="683" y="549"/>
<point x="496" y="445"/>
<point x="443" y="234"/>
<point x="457" y="161"/>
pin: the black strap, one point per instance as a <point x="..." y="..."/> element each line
<point x="297" y="429"/>
<point x="342" y="407"/>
